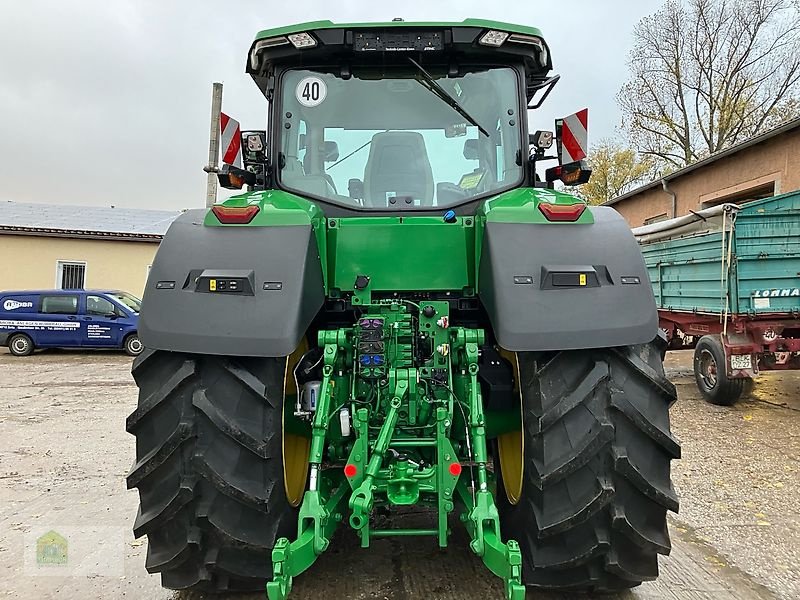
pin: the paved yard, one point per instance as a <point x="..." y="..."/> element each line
<point x="64" y="454"/>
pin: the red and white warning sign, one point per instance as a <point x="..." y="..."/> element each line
<point x="231" y="142"/>
<point x="574" y="137"/>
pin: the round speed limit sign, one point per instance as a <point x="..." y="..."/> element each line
<point x="311" y="91"/>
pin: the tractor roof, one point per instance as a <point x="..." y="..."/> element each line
<point x="320" y="43"/>
<point x="472" y="23"/>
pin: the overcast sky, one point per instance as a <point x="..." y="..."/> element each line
<point x="108" y="102"/>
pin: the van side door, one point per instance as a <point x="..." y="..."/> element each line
<point x="101" y="326"/>
<point x="58" y="318"/>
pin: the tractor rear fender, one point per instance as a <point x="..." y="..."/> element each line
<point x="566" y="286"/>
<point x="188" y="303"/>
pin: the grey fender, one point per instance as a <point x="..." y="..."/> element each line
<point x="531" y="287"/>
<point x="278" y="290"/>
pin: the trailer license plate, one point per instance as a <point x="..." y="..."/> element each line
<point x="741" y="361"/>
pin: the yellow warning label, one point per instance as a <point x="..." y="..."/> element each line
<point x="471" y="180"/>
<point x="212" y="284"/>
<point x="582" y="280"/>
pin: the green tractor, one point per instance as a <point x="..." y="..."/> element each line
<point x="398" y="311"/>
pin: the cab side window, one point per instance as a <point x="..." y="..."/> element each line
<point x="59" y="305"/>
<point x="97" y="305"/>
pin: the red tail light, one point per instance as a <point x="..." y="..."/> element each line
<point x="562" y="212"/>
<point x="234" y="215"/>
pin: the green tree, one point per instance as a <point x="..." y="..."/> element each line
<point x="615" y="171"/>
<point x="708" y="74"/>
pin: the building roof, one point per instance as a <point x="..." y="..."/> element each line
<point x="786" y="127"/>
<point x="94" y="222"/>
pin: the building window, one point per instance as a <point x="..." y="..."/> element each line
<point x="70" y="275"/>
<point x="656" y="219"/>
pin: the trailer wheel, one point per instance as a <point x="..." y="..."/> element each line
<point x="209" y="468"/>
<point x="711" y="375"/>
<point x="20" y="344"/>
<point x="596" y="485"/>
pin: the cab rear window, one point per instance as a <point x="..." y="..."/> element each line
<point x="59" y="305"/>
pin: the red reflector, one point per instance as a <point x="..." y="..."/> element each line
<point x="455" y="469"/>
<point x="562" y="212"/>
<point x="234" y="215"/>
<point x="350" y="471"/>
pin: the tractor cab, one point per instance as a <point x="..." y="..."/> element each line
<point x="397" y="116"/>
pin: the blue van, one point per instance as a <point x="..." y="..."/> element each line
<point x="69" y="319"/>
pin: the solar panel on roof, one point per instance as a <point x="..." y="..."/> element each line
<point x="86" y="218"/>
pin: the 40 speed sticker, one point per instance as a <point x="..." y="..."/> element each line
<point x="311" y="91"/>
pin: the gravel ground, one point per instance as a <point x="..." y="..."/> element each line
<point x="739" y="477"/>
<point x="64" y="454"/>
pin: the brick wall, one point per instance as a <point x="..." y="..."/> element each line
<point x="774" y="162"/>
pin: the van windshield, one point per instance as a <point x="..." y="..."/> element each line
<point x="387" y="140"/>
<point x="132" y="302"/>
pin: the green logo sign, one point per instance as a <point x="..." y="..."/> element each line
<point x="51" y="549"/>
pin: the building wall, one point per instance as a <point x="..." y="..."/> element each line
<point x="774" y="162"/>
<point x="30" y="262"/>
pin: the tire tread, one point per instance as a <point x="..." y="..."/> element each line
<point x="596" y="485"/>
<point x="209" y="469"/>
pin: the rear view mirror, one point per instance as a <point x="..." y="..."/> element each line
<point x="472" y="149"/>
<point x="330" y="151"/>
<point x="355" y="187"/>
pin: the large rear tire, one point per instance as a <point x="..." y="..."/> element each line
<point x="596" y="485"/>
<point x="209" y="468"/>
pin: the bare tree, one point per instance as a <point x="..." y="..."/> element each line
<point x="707" y="74"/>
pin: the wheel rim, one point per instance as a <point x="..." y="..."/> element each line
<point x="20" y="345"/>
<point x="511" y="445"/>
<point x="135" y="345"/>
<point x="708" y="369"/>
<point x="295" y="447"/>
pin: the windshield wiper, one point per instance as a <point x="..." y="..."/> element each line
<point x="444" y="95"/>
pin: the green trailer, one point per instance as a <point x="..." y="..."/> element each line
<point x="399" y="312"/>
<point x="727" y="283"/>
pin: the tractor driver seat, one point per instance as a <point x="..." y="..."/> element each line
<point x="398" y="165"/>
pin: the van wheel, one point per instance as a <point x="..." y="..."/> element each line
<point x="133" y="345"/>
<point x="20" y="344"/>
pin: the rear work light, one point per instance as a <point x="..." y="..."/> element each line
<point x="562" y="212"/>
<point x="493" y="38"/>
<point x="302" y="40"/>
<point x="234" y="215"/>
